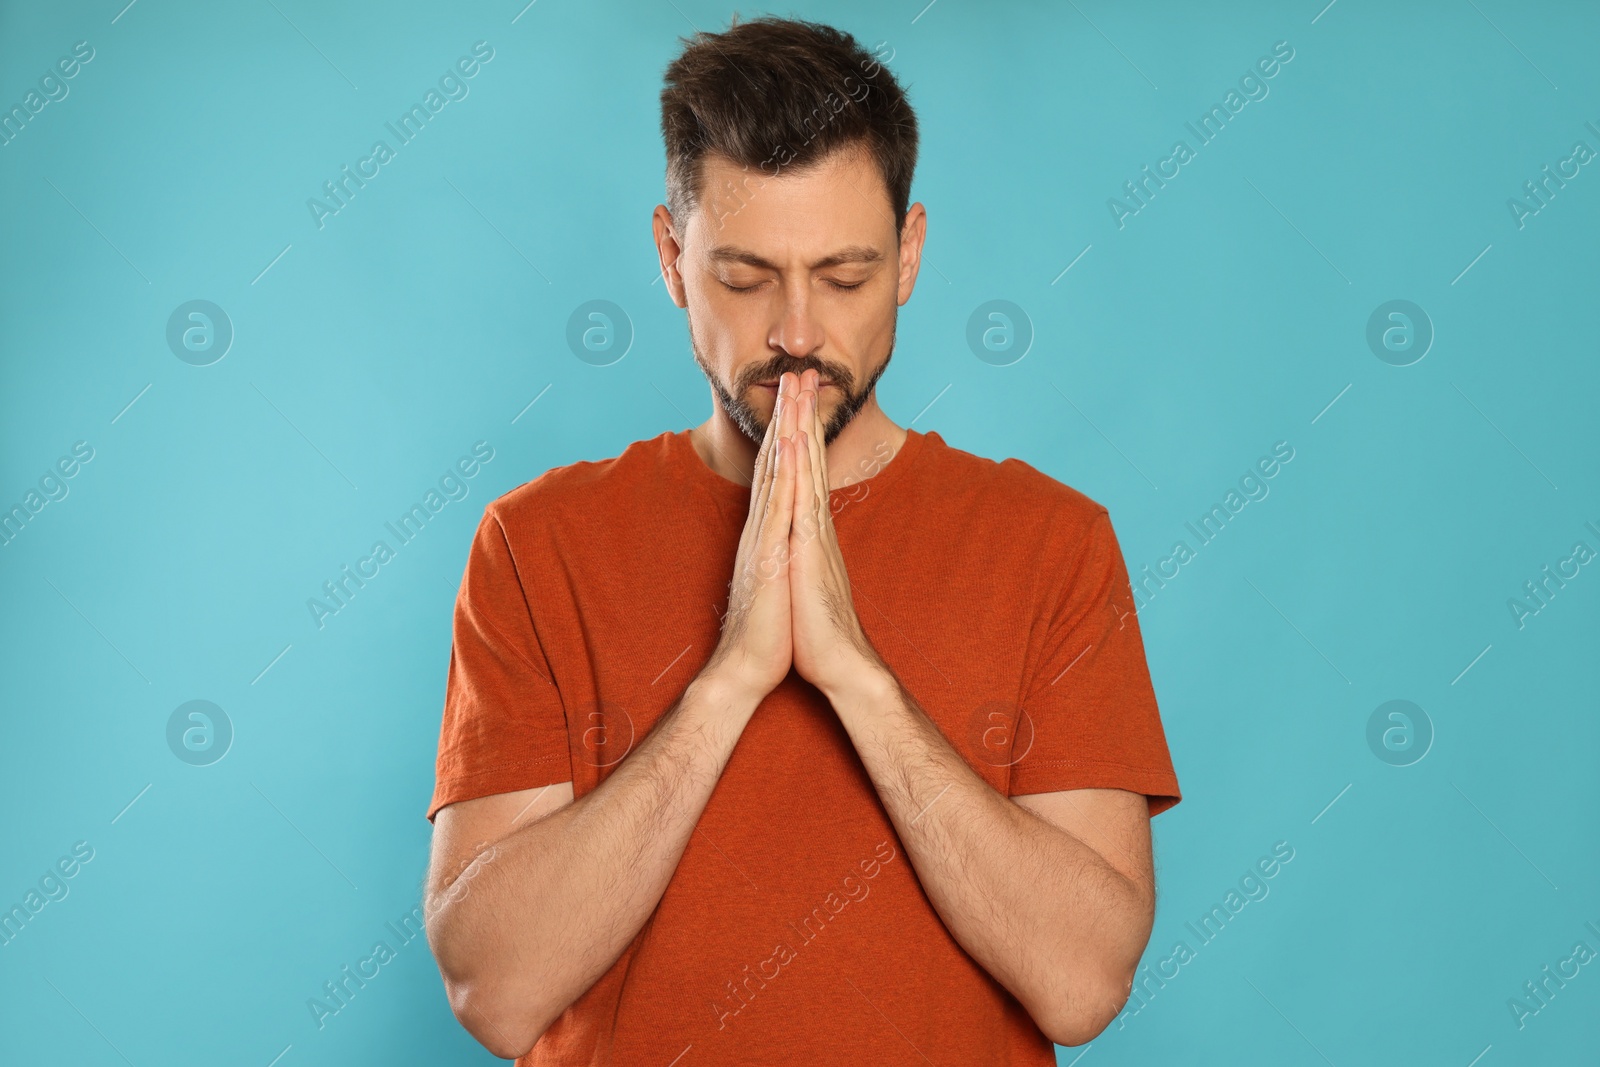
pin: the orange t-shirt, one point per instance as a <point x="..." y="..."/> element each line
<point x="794" y="930"/>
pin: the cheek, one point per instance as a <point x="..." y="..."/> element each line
<point x="867" y="340"/>
<point x="730" y="323"/>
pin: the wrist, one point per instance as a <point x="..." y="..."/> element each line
<point x="718" y="688"/>
<point x="865" y="681"/>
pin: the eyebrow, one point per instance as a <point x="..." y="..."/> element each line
<point x="848" y="254"/>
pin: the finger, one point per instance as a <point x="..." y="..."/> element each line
<point x="759" y="472"/>
<point x="758" y="554"/>
<point x="816" y="450"/>
<point x="761" y="485"/>
<point x="781" y="399"/>
<point x="780" y="515"/>
<point x="778" y="427"/>
<point x="805" y="494"/>
<point x="761" y="488"/>
<point x="811" y="442"/>
<point x="791" y="410"/>
<point x="749" y="552"/>
<point x="788" y="386"/>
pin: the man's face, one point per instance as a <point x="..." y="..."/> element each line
<point x="792" y="272"/>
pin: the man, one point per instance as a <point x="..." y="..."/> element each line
<point x="798" y="737"/>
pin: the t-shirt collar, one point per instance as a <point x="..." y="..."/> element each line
<point x="682" y="455"/>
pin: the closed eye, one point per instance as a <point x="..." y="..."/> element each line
<point x="752" y="288"/>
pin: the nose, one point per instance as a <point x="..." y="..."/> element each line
<point x="796" y="329"/>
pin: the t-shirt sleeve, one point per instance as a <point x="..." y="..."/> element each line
<point x="504" y="727"/>
<point x="1089" y="718"/>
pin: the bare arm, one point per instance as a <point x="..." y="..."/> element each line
<point x="1058" y="921"/>
<point x="524" y="919"/>
<point x="542" y="910"/>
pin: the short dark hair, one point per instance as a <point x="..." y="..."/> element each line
<point x="775" y="94"/>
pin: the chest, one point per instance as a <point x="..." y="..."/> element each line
<point x="942" y="604"/>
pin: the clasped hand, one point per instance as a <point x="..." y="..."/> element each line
<point x="789" y="601"/>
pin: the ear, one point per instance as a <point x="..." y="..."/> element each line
<point x="911" y="238"/>
<point x="670" y="251"/>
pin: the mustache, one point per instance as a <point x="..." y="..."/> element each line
<point x="784" y="363"/>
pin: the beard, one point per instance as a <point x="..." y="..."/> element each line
<point x="754" y="425"/>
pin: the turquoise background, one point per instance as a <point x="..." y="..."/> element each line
<point x="1228" y="314"/>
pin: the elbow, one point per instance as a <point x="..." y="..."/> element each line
<point x="503" y="1026"/>
<point x="496" y="1000"/>
<point x="502" y="1013"/>
<point x="1083" y="1003"/>
<point x="1078" y="1028"/>
<point x="501" y="1018"/>
<point x="1083" y="1015"/>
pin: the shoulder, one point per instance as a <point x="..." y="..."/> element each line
<point x="1013" y="488"/>
<point x="582" y="489"/>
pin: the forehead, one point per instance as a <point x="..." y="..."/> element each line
<point x="837" y="205"/>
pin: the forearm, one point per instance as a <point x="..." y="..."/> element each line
<point x="1040" y="910"/>
<point x="544" y="913"/>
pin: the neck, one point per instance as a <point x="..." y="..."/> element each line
<point x="855" y="455"/>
